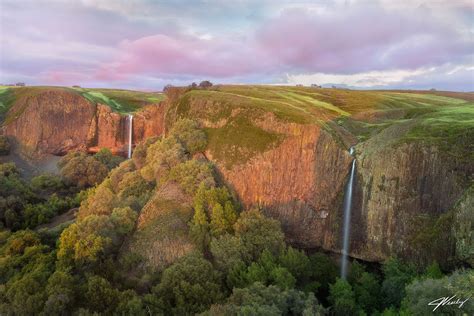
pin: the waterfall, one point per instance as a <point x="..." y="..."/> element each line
<point x="130" y="135"/>
<point x="347" y="216"/>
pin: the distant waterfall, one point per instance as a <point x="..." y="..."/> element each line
<point x="347" y="217"/>
<point x="130" y="135"/>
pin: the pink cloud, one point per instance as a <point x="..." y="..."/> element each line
<point x="63" y="77"/>
<point x="163" y="55"/>
<point x="349" y="41"/>
<point x="360" y="40"/>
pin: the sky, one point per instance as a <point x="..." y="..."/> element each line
<point x="146" y="44"/>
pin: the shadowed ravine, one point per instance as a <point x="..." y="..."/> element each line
<point x="347" y="217"/>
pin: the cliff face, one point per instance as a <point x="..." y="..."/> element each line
<point x="55" y="122"/>
<point x="51" y="122"/>
<point x="404" y="191"/>
<point x="291" y="164"/>
<point x="297" y="182"/>
<point x="401" y="190"/>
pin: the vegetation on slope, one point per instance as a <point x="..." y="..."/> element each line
<point x="122" y="101"/>
<point x="235" y="261"/>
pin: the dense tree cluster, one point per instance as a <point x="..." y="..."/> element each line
<point x="240" y="263"/>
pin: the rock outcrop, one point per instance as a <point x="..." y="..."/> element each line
<point x="401" y="189"/>
<point x="51" y="122"/>
<point x="298" y="183"/>
<point x="57" y="121"/>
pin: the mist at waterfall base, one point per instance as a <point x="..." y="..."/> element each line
<point x="130" y="135"/>
<point x="347" y="217"/>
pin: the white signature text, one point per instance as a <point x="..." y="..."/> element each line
<point x="442" y="301"/>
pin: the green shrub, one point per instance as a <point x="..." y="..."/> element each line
<point x="187" y="132"/>
<point x="342" y="298"/>
<point x="47" y="182"/>
<point x="105" y="156"/>
<point x="161" y="157"/>
<point x="82" y="170"/>
<point x="190" y="174"/>
<point x="189" y="286"/>
<point x="259" y="299"/>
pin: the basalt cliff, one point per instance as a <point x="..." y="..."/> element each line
<point x="57" y="121"/>
<point x="285" y="150"/>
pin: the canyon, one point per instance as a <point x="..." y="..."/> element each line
<point x="294" y="165"/>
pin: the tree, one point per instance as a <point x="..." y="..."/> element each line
<point x="100" y="295"/>
<point x="61" y="293"/>
<point x="282" y="278"/>
<point x="396" y="276"/>
<point x="25" y="267"/>
<point x="219" y="224"/>
<point x="82" y="170"/>
<point x="47" y="183"/>
<point x="259" y="233"/>
<point x="259" y="299"/>
<point x="227" y="252"/>
<point x="132" y="184"/>
<point x="130" y="304"/>
<point x="100" y="201"/>
<point x="433" y="271"/>
<point x="167" y="87"/>
<point x="210" y="217"/>
<point x="161" y="157"/>
<point x="199" y="227"/>
<point x="424" y="290"/>
<point x="191" y="174"/>
<point x="189" y="286"/>
<point x="205" y="84"/>
<point x="123" y="219"/>
<point x="265" y="270"/>
<point x="86" y="243"/>
<point x="342" y="298"/>
<point x="105" y="156"/>
<point x="367" y="292"/>
<point x="140" y="151"/>
<point x="296" y="262"/>
<point x="188" y="133"/>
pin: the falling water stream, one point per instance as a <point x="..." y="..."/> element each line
<point x="347" y="216"/>
<point x="130" y="135"/>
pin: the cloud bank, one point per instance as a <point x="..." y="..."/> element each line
<point x="145" y="44"/>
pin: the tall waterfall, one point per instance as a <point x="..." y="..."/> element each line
<point x="130" y="135"/>
<point x="347" y="217"/>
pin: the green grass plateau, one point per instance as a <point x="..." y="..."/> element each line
<point x="444" y="119"/>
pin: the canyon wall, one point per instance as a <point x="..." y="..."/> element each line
<point x="55" y="122"/>
<point x="403" y="193"/>
<point x="298" y="182"/>
<point x="402" y="189"/>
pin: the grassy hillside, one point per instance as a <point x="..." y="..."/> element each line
<point x="122" y="101"/>
<point x="442" y="118"/>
